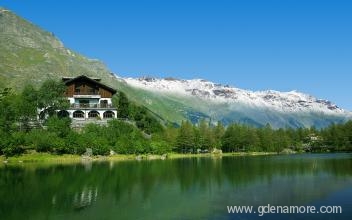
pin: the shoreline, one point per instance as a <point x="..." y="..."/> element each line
<point x="47" y="158"/>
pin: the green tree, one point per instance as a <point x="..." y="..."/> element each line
<point x="160" y="147"/>
<point x="15" y="144"/>
<point x="143" y="119"/>
<point x="348" y="135"/>
<point x="265" y="135"/>
<point x="93" y="137"/>
<point x="122" y="105"/>
<point x="206" y="138"/>
<point x="280" y="140"/>
<point x="51" y="98"/>
<point x="218" y="133"/>
<point x="26" y="106"/>
<point x="60" y="126"/>
<point x="230" y="139"/>
<point x="168" y="135"/>
<point x="250" y="139"/>
<point x="7" y="110"/>
<point x="74" y="144"/>
<point x="43" y="140"/>
<point x="185" y="138"/>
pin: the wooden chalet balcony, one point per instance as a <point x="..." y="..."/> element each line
<point x="86" y="95"/>
<point x="91" y="106"/>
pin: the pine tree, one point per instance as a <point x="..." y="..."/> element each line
<point x="123" y="105"/>
<point x="206" y="137"/>
<point x="185" y="138"/>
<point x="218" y="133"/>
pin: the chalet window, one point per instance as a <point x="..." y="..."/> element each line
<point x="104" y="103"/>
<point x="93" y="114"/>
<point x="78" y="114"/>
<point x="108" y="114"/>
<point x="83" y="103"/>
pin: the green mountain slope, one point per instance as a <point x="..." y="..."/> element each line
<point x="168" y="107"/>
<point x="29" y="54"/>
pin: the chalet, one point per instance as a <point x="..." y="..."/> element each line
<point x="89" y="99"/>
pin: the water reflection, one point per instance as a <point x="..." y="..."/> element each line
<point x="85" y="198"/>
<point x="172" y="189"/>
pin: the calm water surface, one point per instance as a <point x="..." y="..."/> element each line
<point x="196" y="188"/>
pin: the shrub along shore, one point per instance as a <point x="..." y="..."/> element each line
<point x="47" y="158"/>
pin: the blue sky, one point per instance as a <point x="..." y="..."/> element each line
<point x="284" y="45"/>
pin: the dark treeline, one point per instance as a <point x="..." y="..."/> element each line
<point x="137" y="131"/>
<point x="244" y="138"/>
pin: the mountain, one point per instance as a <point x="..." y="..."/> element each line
<point x="29" y="54"/>
<point x="198" y="98"/>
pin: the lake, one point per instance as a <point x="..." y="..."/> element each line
<point x="192" y="188"/>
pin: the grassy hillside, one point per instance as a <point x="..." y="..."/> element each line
<point x="29" y="54"/>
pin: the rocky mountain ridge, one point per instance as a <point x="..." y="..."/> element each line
<point x="292" y="101"/>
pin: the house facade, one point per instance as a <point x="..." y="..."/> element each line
<point x="89" y="99"/>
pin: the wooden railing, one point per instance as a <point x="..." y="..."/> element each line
<point x="93" y="106"/>
<point x="86" y="93"/>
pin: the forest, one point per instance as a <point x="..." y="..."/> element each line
<point x="138" y="131"/>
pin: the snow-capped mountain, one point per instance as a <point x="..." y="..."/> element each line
<point x="176" y="100"/>
<point x="294" y="102"/>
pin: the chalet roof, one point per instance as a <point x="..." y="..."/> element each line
<point x="68" y="80"/>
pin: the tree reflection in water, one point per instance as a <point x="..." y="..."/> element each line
<point x="169" y="187"/>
